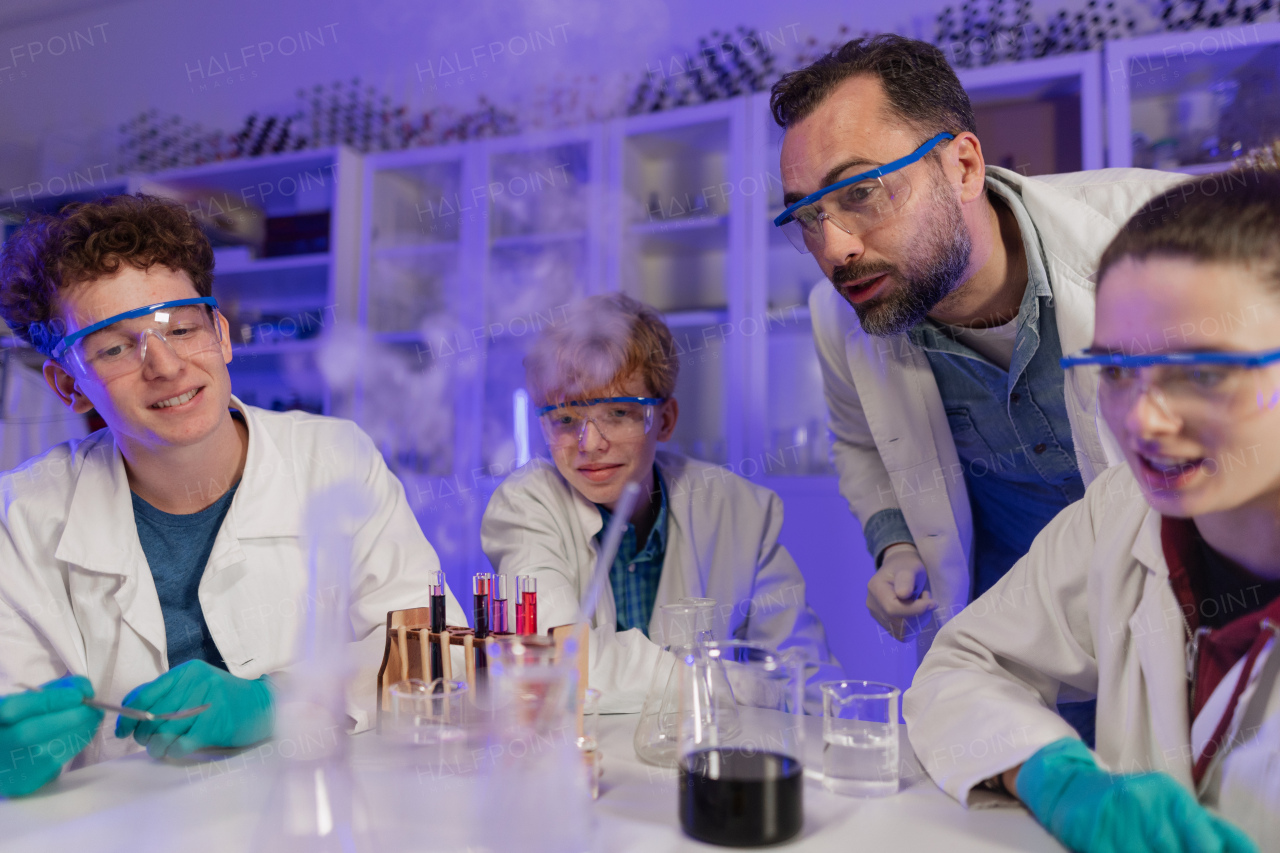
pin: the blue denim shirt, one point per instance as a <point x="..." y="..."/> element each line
<point x="635" y="574"/>
<point x="1010" y="427"/>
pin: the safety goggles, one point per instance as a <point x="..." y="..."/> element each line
<point x="118" y="345"/>
<point x="1183" y="384"/>
<point x="856" y="204"/>
<point x="615" y="419"/>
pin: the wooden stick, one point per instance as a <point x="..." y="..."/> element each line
<point x="446" y="654"/>
<point x="469" y="653"/>
<point x="424" y="651"/>
<point x="402" y="644"/>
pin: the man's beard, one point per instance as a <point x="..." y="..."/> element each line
<point x="929" y="274"/>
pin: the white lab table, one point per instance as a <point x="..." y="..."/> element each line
<point x="138" y="805"/>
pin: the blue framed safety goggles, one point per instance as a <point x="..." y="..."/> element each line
<point x="642" y="401"/>
<point x="70" y="340"/>
<point x="878" y="172"/>
<point x="1087" y="357"/>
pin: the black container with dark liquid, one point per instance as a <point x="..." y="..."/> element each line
<point x="740" y="798"/>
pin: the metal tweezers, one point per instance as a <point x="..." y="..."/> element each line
<point x="132" y="713"/>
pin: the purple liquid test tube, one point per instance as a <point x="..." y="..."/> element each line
<point x="498" y="620"/>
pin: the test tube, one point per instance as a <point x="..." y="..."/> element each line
<point x="526" y="605"/>
<point x="435" y="589"/>
<point x="481" y="586"/>
<point x="498" y="620"/>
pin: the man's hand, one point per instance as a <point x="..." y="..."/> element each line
<point x="41" y="730"/>
<point x="898" y="594"/>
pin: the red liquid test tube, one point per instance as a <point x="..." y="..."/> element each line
<point x="498" y="621"/>
<point x="526" y="605"/>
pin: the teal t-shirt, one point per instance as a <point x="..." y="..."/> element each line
<point x="177" y="548"/>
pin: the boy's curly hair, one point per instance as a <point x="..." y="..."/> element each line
<point x="89" y="240"/>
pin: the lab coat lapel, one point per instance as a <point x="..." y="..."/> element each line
<point x="1073" y="236"/>
<point x="903" y="408"/>
<point x="591" y="523"/>
<point x="267" y="504"/>
<point x="683" y="575"/>
<point x="1158" y="633"/>
<point x="100" y="540"/>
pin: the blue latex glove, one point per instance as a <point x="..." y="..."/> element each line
<point x="1092" y="811"/>
<point x="242" y="712"/>
<point x="42" y="730"/>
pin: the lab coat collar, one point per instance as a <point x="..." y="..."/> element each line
<point x="99" y="534"/>
<point x="680" y="492"/>
<point x="267" y="504"/>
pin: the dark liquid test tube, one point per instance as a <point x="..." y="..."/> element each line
<point x="498" y="620"/>
<point x="481" y="587"/>
<point x="436" y="590"/>
<point x="526" y="605"/>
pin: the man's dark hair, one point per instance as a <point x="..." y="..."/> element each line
<point x="920" y="86"/>
<point x="89" y="240"/>
<point x="1232" y="217"/>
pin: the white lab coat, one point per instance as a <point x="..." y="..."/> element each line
<point x="32" y="417"/>
<point x="722" y="543"/>
<point x="892" y="443"/>
<point x="77" y="596"/>
<point x="1089" y="611"/>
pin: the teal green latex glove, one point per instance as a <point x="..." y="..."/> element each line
<point x="42" y="730"/>
<point x="242" y="711"/>
<point x="1092" y="811"/>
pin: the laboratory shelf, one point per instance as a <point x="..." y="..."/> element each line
<point x="1183" y="101"/>
<point x="521" y="241"/>
<point x="270" y="265"/>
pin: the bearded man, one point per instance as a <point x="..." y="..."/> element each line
<point x="955" y="437"/>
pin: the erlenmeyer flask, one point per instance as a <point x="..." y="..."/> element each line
<point x="315" y="805"/>
<point x="681" y="627"/>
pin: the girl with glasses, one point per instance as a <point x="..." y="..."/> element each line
<point x="1159" y="592"/>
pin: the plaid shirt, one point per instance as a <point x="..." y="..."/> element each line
<point x="635" y="576"/>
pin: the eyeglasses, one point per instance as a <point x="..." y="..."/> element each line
<point x="615" y="418"/>
<point x="857" y="203"/>
<point x="118" y="345"/>
<point x="1195" y="385"/>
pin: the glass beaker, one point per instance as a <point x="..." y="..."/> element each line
<point x="860" y="738"/>
<point x="432" y="714"/>
<point x="681" y="627"/>
<point x="533" y="763"/>
<point x="741" y="784"/>
<point x="534" y="687"/>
